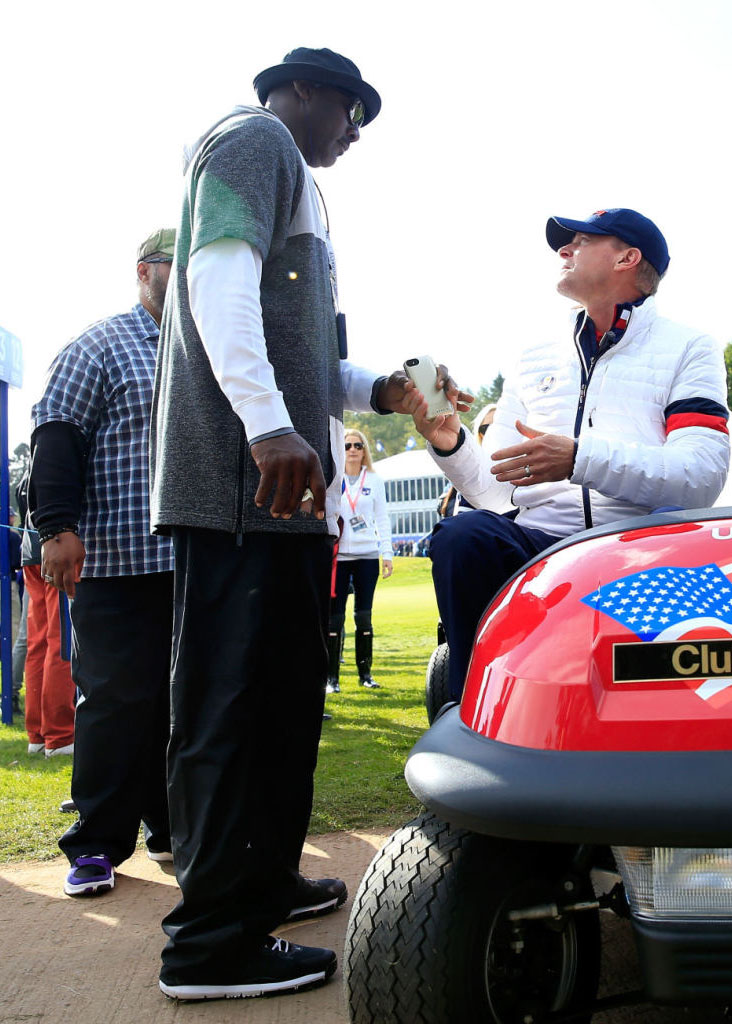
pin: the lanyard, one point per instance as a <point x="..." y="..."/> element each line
<point x="347" y="491"/>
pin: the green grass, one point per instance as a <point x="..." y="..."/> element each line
<point x="31" y="789"/>
<point x="360" y="781"/>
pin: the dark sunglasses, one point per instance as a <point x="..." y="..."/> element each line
<point x="357" y="108"/>
<point x="482" y="428"/>
<point x="354" y="444"/>
<point x="157" y="259"/>
<point x="357" y="112"/>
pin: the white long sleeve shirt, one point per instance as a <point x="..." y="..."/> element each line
<point x="223" y="285"/>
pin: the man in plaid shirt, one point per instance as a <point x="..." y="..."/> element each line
<point x="88" y="496"/>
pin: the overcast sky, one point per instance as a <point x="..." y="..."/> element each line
<point x="495" y="116"/>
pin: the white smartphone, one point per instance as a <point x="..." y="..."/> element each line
<point x="423" y="372"/>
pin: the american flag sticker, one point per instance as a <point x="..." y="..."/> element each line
<point x="682" y="617"/>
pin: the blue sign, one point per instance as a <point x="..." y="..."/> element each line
<point x="11" y="359"/>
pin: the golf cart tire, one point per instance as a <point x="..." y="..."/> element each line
<point x="429" y="942"/>
<point x="437" y="682"/>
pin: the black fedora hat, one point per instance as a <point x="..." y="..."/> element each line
<point x="324" y="67"/>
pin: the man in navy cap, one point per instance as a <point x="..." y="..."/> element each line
<point x="627" y="415"/>
<point x="247" y="454"/>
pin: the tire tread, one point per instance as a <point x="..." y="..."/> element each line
<point x="409" y="918"/>
<point x="422" y="850"/>
<point x="437" y="681"/>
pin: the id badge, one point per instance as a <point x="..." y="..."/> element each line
<point x="357" y="523"/>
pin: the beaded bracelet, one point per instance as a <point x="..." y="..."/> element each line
<point x="47" y="532"/>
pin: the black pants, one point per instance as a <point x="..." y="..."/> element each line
<point x="248" y="688"/>
<point x="473" y="554"/>
<point x="364" y="574"/>
<point x="120" y="661"/>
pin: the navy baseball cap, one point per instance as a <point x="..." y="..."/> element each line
<point x="631" y="227"/>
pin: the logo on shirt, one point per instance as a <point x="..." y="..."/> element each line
<point x="546" y="383"/>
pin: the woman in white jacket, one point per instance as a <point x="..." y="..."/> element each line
<point x="366" y="535"/>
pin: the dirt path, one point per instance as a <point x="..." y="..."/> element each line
<point x="95" y="961"/>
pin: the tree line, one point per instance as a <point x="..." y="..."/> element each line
<point x="389" y="435"/>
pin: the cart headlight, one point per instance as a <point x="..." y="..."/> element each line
<point x="672" y="882"/>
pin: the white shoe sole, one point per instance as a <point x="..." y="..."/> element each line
<point x="89" y="888"/>
<point x="163" y="856"/>
<point x="315" y="908"/>
<point x="239" y="991"/>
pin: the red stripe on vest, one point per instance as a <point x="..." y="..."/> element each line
<point x="696" y="419"/>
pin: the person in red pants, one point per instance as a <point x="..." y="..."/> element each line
<point x="49" y="690"/>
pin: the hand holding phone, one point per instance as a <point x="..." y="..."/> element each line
<point x="423" y="372"/>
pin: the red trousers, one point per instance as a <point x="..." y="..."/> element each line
<point x="49" y="691"/>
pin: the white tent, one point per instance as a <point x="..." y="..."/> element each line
<point x="413" y="486"/>
<point x="407" y="466"/>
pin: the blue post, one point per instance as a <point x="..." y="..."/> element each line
<point x="6" y="619"/>
<point x="11" y="372"/>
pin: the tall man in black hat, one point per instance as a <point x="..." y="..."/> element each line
<point x="246" y="467"/>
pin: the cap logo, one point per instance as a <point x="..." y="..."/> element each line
<point x="599" y="213"/>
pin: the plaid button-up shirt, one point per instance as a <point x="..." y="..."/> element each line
<point x="103" y="383"/>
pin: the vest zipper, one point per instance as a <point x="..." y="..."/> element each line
<point x="587" y="370"/>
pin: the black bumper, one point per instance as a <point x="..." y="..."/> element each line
<point x="624" y="798"/>
<point x="686" y="963"/>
